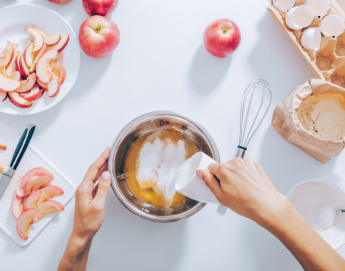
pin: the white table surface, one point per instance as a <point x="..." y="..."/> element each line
<point x="161" y="64"/>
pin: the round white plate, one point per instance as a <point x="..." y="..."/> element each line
<point x="13" y="20"/>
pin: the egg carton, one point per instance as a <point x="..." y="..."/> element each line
<point x="328" y="62"/>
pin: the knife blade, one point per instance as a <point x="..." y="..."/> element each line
<point x="17" y="157"/>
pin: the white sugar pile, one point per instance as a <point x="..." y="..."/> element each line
<point x="158" y="162"/>
<point x="318" y="203"/>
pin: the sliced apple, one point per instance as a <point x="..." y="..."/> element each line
<point x="53" y="87"/>
<point x="8" y="54"/>
<point x="44" y="86"/>
<point x="3" y="96"/>
<point x="27" y="42"/>
<point x="15" y="76"/>
<point x="50" y="206"/>
<point x="33" y="172"/>
<point x="32" y="200"/>
<point x="17" y="61"/>
<point x="42" y="68"/>
<point x="36" y="178"/>
<point x="29" y="55"/>
<point x="37" y="58"/>
<point x="51" y="40"/>
<point x="23" y="67"/>
<point x="7" y="84"/>
<point x="18" y="101"/>
<point x="17" y="206"/>
<point x="40" y="31"/>
<point x="60" y="45"/>
<point x="12" y="66"/>
<point x="60" y="73"/>
<point x="26" y="85"/>
<point x="34" y="94"/>
<point x="19" y="188"/>
<point x="49" y="192"/>
<point x="38" y="39"/>
<point x="23" y="223"/>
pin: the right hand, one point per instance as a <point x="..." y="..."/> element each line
<point x="245" y="188"/>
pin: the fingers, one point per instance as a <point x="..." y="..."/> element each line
<point x="102" y="190"/>
<point x="95" y="170"/>
<point x="211" y="182"/>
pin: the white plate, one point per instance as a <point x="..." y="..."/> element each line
<point x="31" y="159"/>
<point x="13" y="20"/>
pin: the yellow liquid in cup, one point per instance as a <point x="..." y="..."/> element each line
<point x="148" y="192"/>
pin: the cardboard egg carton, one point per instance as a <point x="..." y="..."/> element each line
<point x="328" y="62"/>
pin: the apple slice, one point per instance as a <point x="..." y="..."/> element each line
<point x="35" y="178"/>
<point x="27" y="42"/>
<point x="51" y="40"/>
<point x="3" y="96"/>
<point x="60" y="73"/>
<point x="7" y="84"/>
<point x="37" y="58"/>
<point x="44" y="86"/>
<point x="19" y="188"/>
<point x="34" y="94"/>
<point x="33" y="172"/>
<point x="50" y="206"/>
<point x="53" y="87"/>
<point x="18" y="101"/>
<point x="40" y="31"/>
<point x="15" y="76"/>
<point x="60" y="45"/>
<point x="26" y="85"/>
<point x="29" y="55"/>
<point x="42" y="68"/>
<point x="49" y="192"/>
<point x="24" y="221"/>
<point x="8" y="54"/>
<point x="38" y="39"/>
<point x="23" y="67"/>
<point x="17" y="206"/>
<point x="32" y="200"/>
<point x="12" y="67"/>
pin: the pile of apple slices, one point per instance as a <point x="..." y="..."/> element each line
<point x="25" y="76"/>
<point x="33" y="199"/>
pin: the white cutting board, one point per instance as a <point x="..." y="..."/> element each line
<point x="30" y="160"/>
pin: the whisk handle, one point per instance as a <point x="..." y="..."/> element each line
<point x="241" y="152"/>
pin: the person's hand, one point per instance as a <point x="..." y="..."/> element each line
<point x="90" y="198"/>
<point x="245" y="188"/>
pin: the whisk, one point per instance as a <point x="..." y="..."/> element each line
<point x="247" y="103"/>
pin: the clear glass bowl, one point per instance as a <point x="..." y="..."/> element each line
<point x="147" y="123"/>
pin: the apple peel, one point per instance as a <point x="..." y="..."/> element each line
<point x="24" y="221"/>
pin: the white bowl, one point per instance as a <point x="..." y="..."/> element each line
<point x="332" y="180"/>
<point x="13" y="20"/>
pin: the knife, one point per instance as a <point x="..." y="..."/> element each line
<point x="17" y="157"/>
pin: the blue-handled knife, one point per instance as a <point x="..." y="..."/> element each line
<point x="17" y="157"/>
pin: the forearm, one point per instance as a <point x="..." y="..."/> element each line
<point x="76" y="254"/>
<point x="312" y="252"/>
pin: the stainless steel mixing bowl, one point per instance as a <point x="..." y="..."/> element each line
<point x="144" y="124"/>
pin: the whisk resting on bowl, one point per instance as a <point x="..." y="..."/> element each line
<point x="248" y="114"/>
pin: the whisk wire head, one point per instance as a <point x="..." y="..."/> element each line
<point x="246" y="106"/>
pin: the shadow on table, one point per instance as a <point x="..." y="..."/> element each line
<point x="271" y="50"/>
<point x="128" y="242"/>
<point x="207" y="71"/>
<point x="286" y="164"/>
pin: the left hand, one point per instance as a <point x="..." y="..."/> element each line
<point x="90" y="199"/>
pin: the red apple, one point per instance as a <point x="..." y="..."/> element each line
<point x="221" y="38"/>
<point x="99" y="7"/>
<point x="98" y="36"/>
